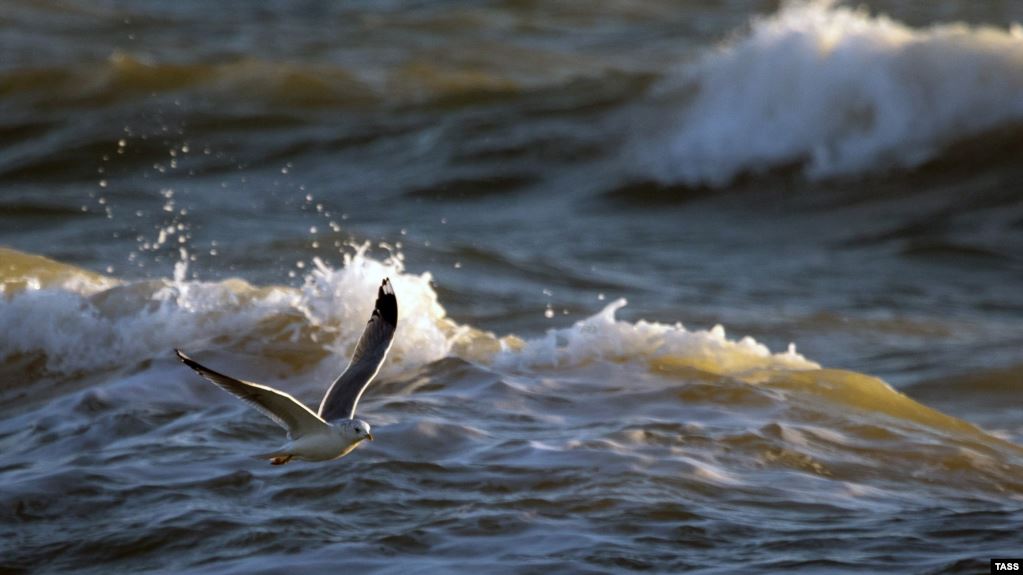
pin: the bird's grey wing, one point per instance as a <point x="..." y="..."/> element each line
<point x="281" y="407"/>
<point x="344" y="394"/>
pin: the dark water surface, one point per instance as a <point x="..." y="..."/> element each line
<point x="235" y="179"/>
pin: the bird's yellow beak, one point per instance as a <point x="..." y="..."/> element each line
<point x="369" y="436"/>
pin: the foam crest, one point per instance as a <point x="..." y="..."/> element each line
<point x="603" y="337"/>
<point x="834" y="91"/>
<point x="78" y="322"/>
<point x="83" y="326"/>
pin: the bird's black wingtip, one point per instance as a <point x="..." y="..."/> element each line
<point x="387" y="303"/>
<point x="184" y="358"/>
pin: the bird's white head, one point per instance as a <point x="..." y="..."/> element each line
<point x="358" y="430"/>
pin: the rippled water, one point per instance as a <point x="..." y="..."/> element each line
<point x="682" y="288"/>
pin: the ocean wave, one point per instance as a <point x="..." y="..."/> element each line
<point x="735" y="372"/>
<point x="832" y="91"/>
<point x="291" y="84"/>
<point x="125" y="77"/>
<point x="78" y="321"/>
<point x="71" y="323"/>
<point x="602" y="337"/>
<point x="710" y="411"/>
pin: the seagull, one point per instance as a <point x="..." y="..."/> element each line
<point x="333" y="431"/>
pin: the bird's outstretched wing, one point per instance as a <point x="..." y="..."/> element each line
<point x="281" y="407"/>
<point x="343" y="396"/>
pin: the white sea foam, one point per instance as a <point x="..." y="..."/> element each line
<point x="835" y="91"/>
<point x="603" y="337"/>
<point x="85" y="326"/>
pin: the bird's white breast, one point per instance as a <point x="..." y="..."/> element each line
<point x="321" y="446"/>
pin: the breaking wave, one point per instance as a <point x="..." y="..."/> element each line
<point x="65" y="322"/>
<point x="832" y="91"/>
<point x="79" y="321"/>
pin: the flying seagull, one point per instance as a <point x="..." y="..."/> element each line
<point x="333" y="431"/>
